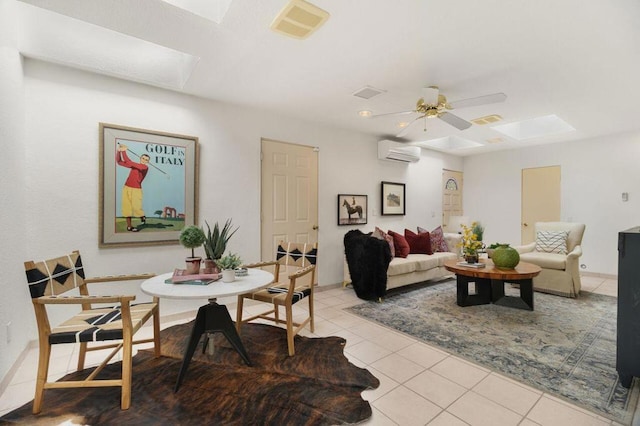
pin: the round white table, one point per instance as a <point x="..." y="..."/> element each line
<point x="156" y="286"/>
<point x="211" y="318"/>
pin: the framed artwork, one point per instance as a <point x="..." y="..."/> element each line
<point x="352" y="209"/>
<point x="393" y="198"/>
<point x="148" y="186"/>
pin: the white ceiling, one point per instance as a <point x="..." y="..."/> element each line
<point x="575" y="59"/>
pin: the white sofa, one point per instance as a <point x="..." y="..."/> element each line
<point x="416" y="268"/>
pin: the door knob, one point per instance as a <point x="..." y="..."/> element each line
<point x="525" y="224"/>
<point x="315" y="227"/>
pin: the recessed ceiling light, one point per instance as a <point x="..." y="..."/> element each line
<point x="402" y="124"/>
<point x="548" y="125"/>
<point x="364" y="113"/>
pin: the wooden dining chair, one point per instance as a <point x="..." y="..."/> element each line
<point x="298" y="260"/>
<point x="49" y="281"/>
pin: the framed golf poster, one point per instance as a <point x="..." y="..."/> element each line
<point x="148" y="186"/>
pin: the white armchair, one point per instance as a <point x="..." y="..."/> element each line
<point x="560" y="270"/>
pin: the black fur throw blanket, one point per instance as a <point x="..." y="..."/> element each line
<point x="368" y="259"/>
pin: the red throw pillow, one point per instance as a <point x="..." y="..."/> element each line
<point x="401" y="245"/>
<point x="418" y="243"/>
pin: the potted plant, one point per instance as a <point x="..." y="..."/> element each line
<point x="478" y="229"/>
<point x="215" y="243"/>
<point x="192" y="237"/>
<point x="470" y="243"/>
<point x="228" y="264"/>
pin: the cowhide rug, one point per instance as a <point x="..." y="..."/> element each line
<point x="317" y="386"/>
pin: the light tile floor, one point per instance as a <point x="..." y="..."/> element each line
<point x="419" y="384"/>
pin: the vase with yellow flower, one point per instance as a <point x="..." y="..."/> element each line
<point x="470" y="243"/>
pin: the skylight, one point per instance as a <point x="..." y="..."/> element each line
<point x="102" y="50"/>
<point x="449" y="143"/>
<point x="548" y="125"/>
<point x="213" y="10"/>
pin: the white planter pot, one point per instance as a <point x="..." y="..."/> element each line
<point x="228" y="275"/>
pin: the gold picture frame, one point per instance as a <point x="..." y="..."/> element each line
<point x="148" y="186"/>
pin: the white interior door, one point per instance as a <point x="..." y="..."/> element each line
<point x="540" y="199"/>
<point x="451" y="197"/>
<point x="289" y="195"/>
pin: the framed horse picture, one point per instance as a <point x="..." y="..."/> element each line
<point x="352" y="209"/>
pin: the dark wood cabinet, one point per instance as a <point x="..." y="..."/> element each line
<point x="628" y="344"/>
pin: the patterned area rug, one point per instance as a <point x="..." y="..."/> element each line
<point x="317" y="386"/>
<point x="566" y="347"/>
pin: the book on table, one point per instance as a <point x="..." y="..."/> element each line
<point x="471" y="265"/>
<point x="180" y="276"/>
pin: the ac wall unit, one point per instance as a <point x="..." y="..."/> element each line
<point x="394" y="151"/>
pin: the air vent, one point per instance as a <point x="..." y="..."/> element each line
<point x="495" y="140"/>
<point x="368" y="92"/>
<point x="299" y="19"/>
<point x="487" y="119"/>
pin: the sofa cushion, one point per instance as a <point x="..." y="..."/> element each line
<point x="424" y="262"/>
<point x="401" y="244"/>
<point x="381" y="235"/>
<point x="418" y="243"/>
<point x="552" y="241"/>
<point x="443" y="257"/>
<point x="545" y="260"/>
<point x="438" y="243"/>
<point x="401" y="265"/>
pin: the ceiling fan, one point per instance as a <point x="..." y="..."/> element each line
<point x="434" y="104"/>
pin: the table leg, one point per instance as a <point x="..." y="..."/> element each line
<point x="525" y="301"/>
<point x="483" y="291"/>
<point x="211" y="318"/>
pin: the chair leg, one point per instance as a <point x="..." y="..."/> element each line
<point x="311" y="326"/>
<point x="82" y="355"/>
<point x="125" y="401"/>
<point x="156" y="330"/>
<point x="239" y="307"/>
<point x="43" y="373"/>
<point x="290" y="336"/>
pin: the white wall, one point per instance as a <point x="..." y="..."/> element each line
<point x="59" y="139"/>
<point x="15" y="297"/>
<point x="594" y="174"/>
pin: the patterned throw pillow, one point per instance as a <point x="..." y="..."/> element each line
<point x="418" y="243"/>
<point x="401" y="244"/>
<point x="438" y="243"/>
<point x="552" y="241"/>
<point x="381" y="235"/>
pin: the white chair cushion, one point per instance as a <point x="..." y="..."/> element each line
<point x="545" y="260"/>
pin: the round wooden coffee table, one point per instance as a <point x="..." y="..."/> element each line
<point x="489" y="282"/>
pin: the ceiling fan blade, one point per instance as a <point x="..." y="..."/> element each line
<point x="406" y="128"/>
<point x="389" y="114"/>
<point x="454" y="120"/>
<point x="430" y="95"/>
<point x="480" y="100"/>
